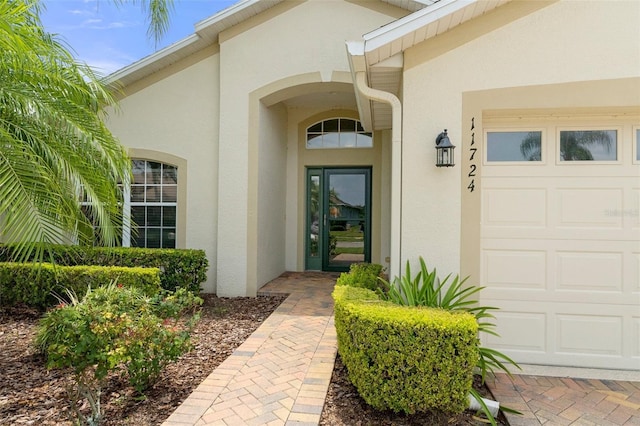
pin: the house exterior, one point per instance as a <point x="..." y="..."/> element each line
<point x="251" y="126"/>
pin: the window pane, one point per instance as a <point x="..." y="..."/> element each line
<point x="169" y="175"/>
<point x="331" y="140"/>
<point x="137" y="215"/>
<point x="588" y="145"/>
<point x="347" y="125"/>
<point x="137" y="193"/>
<point x="169" y="194"/>
<point x="154" y="173"/>
<point x="514" y="146"/>
<point x="153" y="194"/>
<point x="138" y="240"/>
<point x="138" y="169"/>
<point x="314" y="141"/>
<point x="153" y="238"/>
<point x="364" y="140"/>
<point x="168" y="238"/>
<point x="154" y="216"/>
<point x="316" y="128"/>
<point x="169" y="217"/>
<point x="347" y="140"/>
<point x="330" y="126"/>
<point x="638" y="145"/>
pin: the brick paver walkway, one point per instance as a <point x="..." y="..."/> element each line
<point x="565" y="401"/>
<point x="280" y="375"/>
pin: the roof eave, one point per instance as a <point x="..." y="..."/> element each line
<point x="357" y="63"/>
<point x="206" y="33"/>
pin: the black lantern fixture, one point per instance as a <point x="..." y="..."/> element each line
<point x="444" y="150"/>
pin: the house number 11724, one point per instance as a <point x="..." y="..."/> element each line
<point x="472" y="155"/>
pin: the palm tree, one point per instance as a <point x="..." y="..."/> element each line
<point x="158" y="15"/>
<point x="55" y="150"/>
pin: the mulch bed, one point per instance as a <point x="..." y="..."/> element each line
<point x="32" y="395"/>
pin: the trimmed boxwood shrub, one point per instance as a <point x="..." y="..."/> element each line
<point x="363" y="275"/>
<point x="178" y="267"/>
<point x="36" y="285"/>
<point x="406" y="359"/>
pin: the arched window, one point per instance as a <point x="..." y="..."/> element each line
<point x="338" y="133"/>
<point x="153" y="203"/>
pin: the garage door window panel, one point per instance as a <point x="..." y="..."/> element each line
<point x="514" y="146"/>
<point x="588" y="145"/>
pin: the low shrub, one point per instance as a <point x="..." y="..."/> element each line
<point x="115" y="329"/>
<point x="38" y="285"/>
<point x="427" y="290"/>
<point x="179" y="267"/>
<point x="406" y="359"/>
<point x="363" y="275"/>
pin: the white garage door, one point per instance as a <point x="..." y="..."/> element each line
<point x="560" y="250"/>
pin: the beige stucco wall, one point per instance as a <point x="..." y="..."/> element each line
<point x="176" y="114"/>
<point x="272" y="192"/>
<point x="517" y="45"/>
<point x="291" y="43"/>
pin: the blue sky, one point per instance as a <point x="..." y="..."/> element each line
<point x="108" y="37"/>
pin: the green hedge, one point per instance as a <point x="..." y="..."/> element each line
<point x="364" y="275"/>
<point x="35" y="285"/>
<point x="406" y="359"/>
<point x="179" y="267"/>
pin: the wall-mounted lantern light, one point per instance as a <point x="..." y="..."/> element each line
<point x="444" y="150"/>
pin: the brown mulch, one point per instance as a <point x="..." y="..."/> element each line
<point x="32" y="395"/>
<point x="344" y="407"/>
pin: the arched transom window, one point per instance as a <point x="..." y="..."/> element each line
<point x="338" y="133"/>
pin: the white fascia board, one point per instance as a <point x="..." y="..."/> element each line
<point x="224" y="13"/>
<point x="413" y="22"/>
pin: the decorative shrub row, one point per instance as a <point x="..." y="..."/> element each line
<point x="178" y="267"/>
<point x="364" y="275"/>
<point x="37" y="285"/>
<point x="406" y="359"/>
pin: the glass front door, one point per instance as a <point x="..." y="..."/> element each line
<point x="338" y="218"/>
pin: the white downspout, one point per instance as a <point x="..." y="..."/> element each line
<point x="396" y="168"/>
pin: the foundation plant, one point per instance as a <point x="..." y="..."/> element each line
<point x="413" y="344"/>
<point x="405" y="359"/>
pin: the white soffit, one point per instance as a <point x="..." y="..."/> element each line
<point x="421" y="25"/>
